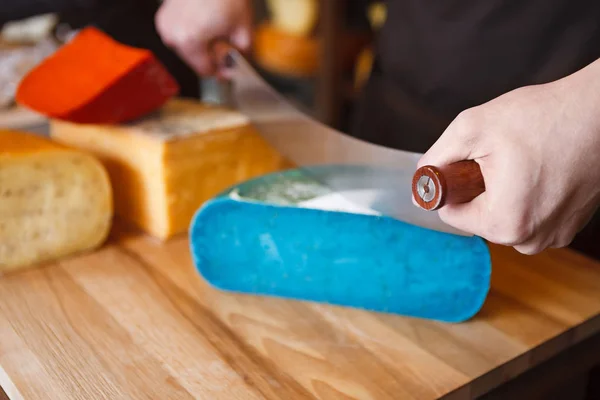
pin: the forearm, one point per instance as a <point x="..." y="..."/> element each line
<point x="585" y="83"/>
<point x="581" y="90"/>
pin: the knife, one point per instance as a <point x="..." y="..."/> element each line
<point x="369" y="175"/>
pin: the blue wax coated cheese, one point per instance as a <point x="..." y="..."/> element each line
<point x="259" y="239"/>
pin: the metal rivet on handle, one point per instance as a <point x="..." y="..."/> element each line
<point x="426" y="188"/>
<point x="229" y="61"/>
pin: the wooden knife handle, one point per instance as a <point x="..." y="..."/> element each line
<point x="222" y="51"/>
<point x="455" y="183"/>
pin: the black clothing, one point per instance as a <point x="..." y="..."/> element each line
<point x="436" y="58"/>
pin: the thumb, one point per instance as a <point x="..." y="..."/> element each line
<point x="198" y="56"/>
<point x="457" y="143"/>
<point x="241" y="37"/>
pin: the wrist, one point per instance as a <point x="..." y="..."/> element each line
<point x="580" y="92"/>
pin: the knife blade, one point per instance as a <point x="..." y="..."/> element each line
<point x="369" y="175"/>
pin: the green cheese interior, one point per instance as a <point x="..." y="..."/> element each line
<point x="290" y="188"/>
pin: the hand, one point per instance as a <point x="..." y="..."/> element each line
<point x="538" y="148"/>
<point x="190" y="26"/>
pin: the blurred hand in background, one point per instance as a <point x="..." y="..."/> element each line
<point x="190" y="26"/>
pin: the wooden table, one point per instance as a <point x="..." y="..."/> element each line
<point x="135" y="321"/>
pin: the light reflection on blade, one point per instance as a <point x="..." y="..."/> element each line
<point x="366" y="174"/>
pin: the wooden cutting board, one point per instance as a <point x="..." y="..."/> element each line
<point x="135" y="321"/>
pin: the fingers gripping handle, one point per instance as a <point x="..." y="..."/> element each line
<point x="223" y="53"/>
<point x="456" y="183"/>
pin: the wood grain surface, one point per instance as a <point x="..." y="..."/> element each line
<point x="135" y="321"/>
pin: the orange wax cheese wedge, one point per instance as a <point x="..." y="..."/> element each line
<point x="95" y="79"/>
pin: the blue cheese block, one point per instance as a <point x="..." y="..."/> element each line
<point x="285" y="235"/>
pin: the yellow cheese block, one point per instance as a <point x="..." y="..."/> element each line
<point x="165" y="166"/>
<point x="54" y="201"/>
